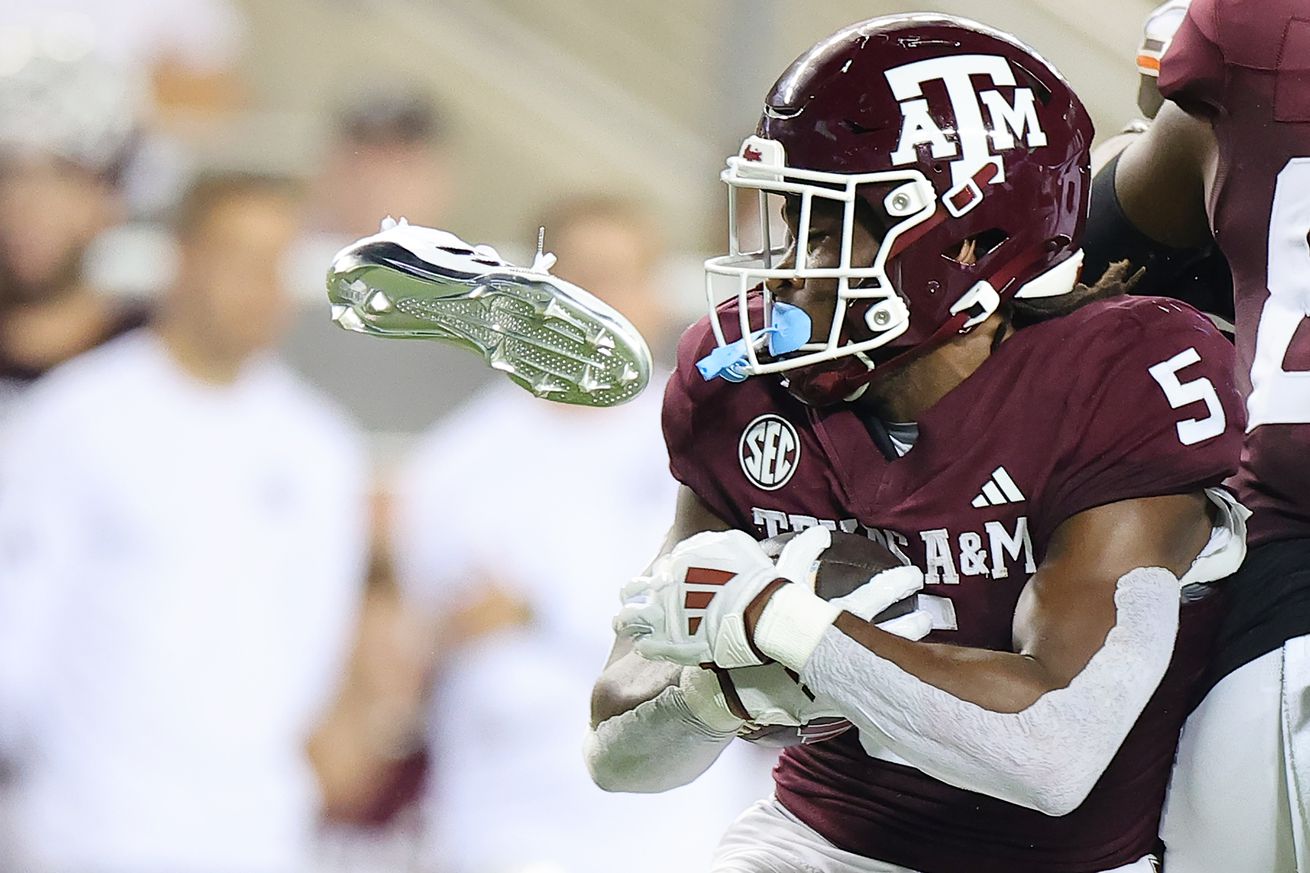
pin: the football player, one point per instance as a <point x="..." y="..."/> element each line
<point x="1197" y="274"/>
<point x="916" y="362"/>
<point x="1228" y="158"/>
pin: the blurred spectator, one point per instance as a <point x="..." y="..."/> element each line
<point x="182" y="527"/>
<point x="391" y="153"/>
<point x="68" y="123"/>
<point x="388" y="156"/>
<point x="369" y="750"/>
<point x="503" y="532"/>
<point x="186" y="49"/>
<point x="180" y="56"/>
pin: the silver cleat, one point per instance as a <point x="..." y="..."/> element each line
<point x="549" y="336"/>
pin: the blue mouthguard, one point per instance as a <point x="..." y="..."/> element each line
<point x="790" y="330"/>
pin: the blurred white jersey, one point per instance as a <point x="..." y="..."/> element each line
<point x="558" y="506"/>
<point x="180" y="568"/>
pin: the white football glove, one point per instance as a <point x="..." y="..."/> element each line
<point x="689" y="609"/>
<point x="880" y="592"/>
<point x="795" y="618"/>
<point x="772" y="695"/>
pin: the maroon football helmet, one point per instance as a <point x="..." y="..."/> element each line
<point x="949" y="131"/>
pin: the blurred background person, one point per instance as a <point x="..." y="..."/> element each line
<point x="182" y="529"/>
<point x="183" y="54"/>
<point x="369" y="751"/>
<point x="187" y="51"/>
<point x="390" y="149"/>
<point x="388" y="154"/>
<point x="68" y="125"/>
<point x="500" y="536"/>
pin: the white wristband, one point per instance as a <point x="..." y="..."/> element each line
<point x="792" y="625"/>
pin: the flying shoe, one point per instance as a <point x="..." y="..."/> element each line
<point x="548" y="335"/>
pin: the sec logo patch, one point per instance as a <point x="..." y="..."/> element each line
<point x="770" y="451"/>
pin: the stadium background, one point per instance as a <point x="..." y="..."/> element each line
<point x="543" y="98"/>
<point x="523" y="102"/>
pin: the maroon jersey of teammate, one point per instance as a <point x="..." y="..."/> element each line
<point x="1245" y="64"/>
<point x="1124" y="398"/>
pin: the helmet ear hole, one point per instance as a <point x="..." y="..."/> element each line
<point x="976" y="247"/>
<point x="989" y="241"/>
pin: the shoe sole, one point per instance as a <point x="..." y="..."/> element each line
<point x="549" y="337"/>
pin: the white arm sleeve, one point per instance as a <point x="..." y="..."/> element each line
<point x="665" y="742"/>
<point x="1046" y="757"/>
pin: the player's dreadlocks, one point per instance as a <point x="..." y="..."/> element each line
<point x="1018" y="313"/>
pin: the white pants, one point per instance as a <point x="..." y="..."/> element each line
<point x="769" y="839"/>
<point x="1238" y="799"/>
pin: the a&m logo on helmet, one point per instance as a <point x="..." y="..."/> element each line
<point x="975" y="140"/>
<point x="769" y="451"/>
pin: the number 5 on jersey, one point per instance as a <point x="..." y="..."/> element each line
<point x="1180" y="394"/>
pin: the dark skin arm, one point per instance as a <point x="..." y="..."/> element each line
<point x="1065" y="611"/>
<point x="1164" y="176"/>
<point x="628" y="679"/>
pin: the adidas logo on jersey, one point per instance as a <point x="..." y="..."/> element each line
<point x="998" y="490"/>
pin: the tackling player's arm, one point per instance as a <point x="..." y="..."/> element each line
<point x="1149" y="203"/>
<point x="1093" y="635"/>
<point x="656" y="725"/>
<point x="1160" y="179"/>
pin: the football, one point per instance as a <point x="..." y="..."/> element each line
<point x="778" y="709"/>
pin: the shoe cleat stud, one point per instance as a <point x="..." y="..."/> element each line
<point x="338" y="310"/>
<point x="589" y="384"/>
<point x="379" y="302"/>
<point x="350" y="320"/>
<point x="557" y="312"/>
<point x="498" y="360"/>
<point x="545" y="386"/>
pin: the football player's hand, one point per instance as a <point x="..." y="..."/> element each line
<point x="787" y="621"/>
<point x="883" y="590"/>
<point x="690" y="609"/>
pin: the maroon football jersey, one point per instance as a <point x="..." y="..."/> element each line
<point x="1245" y="64"/>
<point x="1125" y="398"/>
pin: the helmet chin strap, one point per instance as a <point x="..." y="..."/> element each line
<point x="978" y="304"/>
